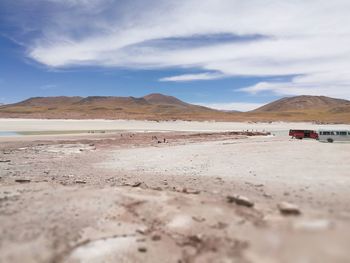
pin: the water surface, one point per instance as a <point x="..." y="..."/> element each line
<point x="6" y="134"/>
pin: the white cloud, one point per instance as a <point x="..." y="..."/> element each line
<point x="192" y="77"/>
<point x="232" y="106"/>
<point x="327" y="84"/>
<point x="310" y="39"/>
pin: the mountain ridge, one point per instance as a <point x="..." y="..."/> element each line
<point x="304" y="102"/>
<point x="157" y="106"/>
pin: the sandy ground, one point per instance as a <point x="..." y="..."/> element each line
<point x="131" y="197"/>
<point x="284" y="168"/>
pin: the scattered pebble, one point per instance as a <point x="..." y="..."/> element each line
<point x="157" y="188"/>
<point x="190" y="191"/>
<point x="142" y="249"/>
<point x="288" y="208"/>
<point x="156" y="237"/>
<point x="240" y="200"/>
<point x="198" y="219"/>
<point x="22" y="181"/>
<point x="80" y="182"/>
<point x="267" y="196"/>
<point x="142" y="230"/>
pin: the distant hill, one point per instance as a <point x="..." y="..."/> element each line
<point x="162" y="107"/>
<point x="151" y="107"/>
<point x="305" y="108"/>
<point x="302" y="103"/>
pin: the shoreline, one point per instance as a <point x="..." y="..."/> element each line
<point x="54" y="125"/>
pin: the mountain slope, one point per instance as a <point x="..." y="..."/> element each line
<point x="153" y="106"/>
<point x="302" y="103"/>
<point x="305" y="108"/>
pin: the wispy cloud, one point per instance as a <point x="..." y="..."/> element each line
<point x="232" y="37"/>
<point x="232" y="106"/>
<point x="193" y="77"/>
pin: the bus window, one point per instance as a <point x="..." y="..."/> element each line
<point x="332" y="133"/>
<point x="342" y="133"/>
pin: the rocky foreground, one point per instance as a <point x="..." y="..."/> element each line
<point x="59" y="202"/>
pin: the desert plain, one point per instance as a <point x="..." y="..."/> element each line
<point x="171" y="191"/>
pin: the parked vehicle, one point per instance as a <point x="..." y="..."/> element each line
<point x="334" y="136"/>
<point x="302" y="134"/>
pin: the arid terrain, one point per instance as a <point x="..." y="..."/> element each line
<point x="161" y="107"/>
<point x="171" y="192"/>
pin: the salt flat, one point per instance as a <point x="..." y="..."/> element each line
<point x="135" y="125"/>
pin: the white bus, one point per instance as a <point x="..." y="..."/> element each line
<point x="334" y="136"/>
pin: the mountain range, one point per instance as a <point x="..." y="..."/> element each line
<point x="162" y="107"/>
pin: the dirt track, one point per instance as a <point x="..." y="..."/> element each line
<point x="133" y="198"/>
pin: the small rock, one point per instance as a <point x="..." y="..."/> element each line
<point x="190" y="191"/>
<point x="288" y="208"/>
<point x="22" y="181"/>
<point x="240" y="200"/>
<point x="137" y="184"/>
<point x="80" y="182"/>
<point x="196" y="238"/>
<point x="156" y="237"/>
<point x="267" y="196"/>
<point x="142" y="230"/>
<point x="142" y="249"/>
<point x="157" y="188"/>
<point x="198" y="219"/>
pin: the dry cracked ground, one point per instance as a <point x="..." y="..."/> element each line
<point x="173" y="197"/>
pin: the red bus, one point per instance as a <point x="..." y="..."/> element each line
<point x="302" y="134"/>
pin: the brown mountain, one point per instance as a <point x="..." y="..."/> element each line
<point x="153" y="106"/>
<point x="303" y="103"/>
<point x="162" y="107"/>
<point x="305" y="108"/>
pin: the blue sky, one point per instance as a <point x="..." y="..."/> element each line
<point x="225" y="54"/>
